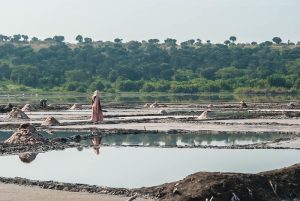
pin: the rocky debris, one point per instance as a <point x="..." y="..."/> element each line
<point x="210" y="105"/>
<point x="147" y="105"/>
<point x="43" y="103"/>
<point x="25" y="134"/>
<point x="204" y="115"/>
<point x="291" y="105"/>
<point x="27" y="108"/>
<point x="16" y="114"/>
<point x="27" y="157"/>
<point x="292" y="114"/>
<point x="50" y="121"/>
<point x="154" y="105"/>
<point x="281" y="184"/>
<point x="162" y="112"/>
<point x="76" y="106"/>
<point x="6" y="108"/>
<point x="243" y="104"/>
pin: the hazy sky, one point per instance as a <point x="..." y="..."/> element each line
<point x="217" y="20"/>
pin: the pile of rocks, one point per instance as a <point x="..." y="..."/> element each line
<point x="16" y="114"/>
<point x="50" y="121"/>
<point x="76" y="106"/>
<point x="25" y="134"/>
<point x="27" y="108"/>
<point x="204" y="115"/>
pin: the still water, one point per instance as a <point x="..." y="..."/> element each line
<point x="163" y="139"/>
<point x="136" y="167"/>
<point x="141" y="98"/>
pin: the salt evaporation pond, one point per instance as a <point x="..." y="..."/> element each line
<point x="163" y="139"/>
<point x="136" y="167"/>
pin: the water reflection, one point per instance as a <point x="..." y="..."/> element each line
<point x="162" y="139"/>
<point x="132" y="167"/>
<point x="96" y="141"/>
<point x="27" y="157"/>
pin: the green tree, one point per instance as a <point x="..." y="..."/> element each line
<point x="59" y="39"/>
<point x="79" y="38"/>
<point x="88" y="40"/>
<point x="277" y="40"/>
<point x="232" y="38"/>
<point x="227" y="42"/>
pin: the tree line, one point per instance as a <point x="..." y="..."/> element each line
<point x="192" y="66"/>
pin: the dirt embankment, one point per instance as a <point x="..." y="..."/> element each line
<point x="276" y="185"/>
<point x="282" y="184"/>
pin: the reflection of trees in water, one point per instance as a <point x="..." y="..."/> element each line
<point x="188" y="139"/>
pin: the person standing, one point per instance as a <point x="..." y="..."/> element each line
<point x="97" y="115"/>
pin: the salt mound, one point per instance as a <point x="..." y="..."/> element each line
<point x="25" y="134"/>
<point x="162" y="112"/>
<point x="204" y="115"/>
<point x="147" y="105"/>
<point x="50" y="121"/>
<point x="27" y="157"/>
<point x="154" y="105"/>
<point x="76" y="106"/>
<point x="16" y="114"/>
<point x="27" y="108"/>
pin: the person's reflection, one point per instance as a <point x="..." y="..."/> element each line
<point x="27" y="157"/>
<point x="96" y="144"/>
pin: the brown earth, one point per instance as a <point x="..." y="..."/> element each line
<point x="281" y="184"/>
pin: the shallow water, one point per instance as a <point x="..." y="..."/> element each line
<point x="162" y="139"/>
<point x="136" y="167"/>
<point x="141" y="97"/>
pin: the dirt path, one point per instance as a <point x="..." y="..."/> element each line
<point x="11" y="192"/>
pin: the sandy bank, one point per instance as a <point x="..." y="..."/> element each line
<point x="13" y="192"/>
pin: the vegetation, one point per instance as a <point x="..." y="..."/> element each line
<point x="149" y="66"/>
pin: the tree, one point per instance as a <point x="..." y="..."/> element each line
<point x="59" y="39"/>
<point x="191" y="42"/>
<point x="199" y="42"/>
<point x="79" y="38"/>
<point x="2" y="37"/>
<point x="153" y="41"/>
<point x="34" y="39"/>
<point x="227" y="42"/>
<point x="277" y="40"/>
<point x="16" y="38"/>
<point x="4" y="72"/>
<point x="118" y="40"/>
<point x="232" y="38"/>
<point x="25" y="38"/>
<point x="170" y="42"/>
<point x="88" y="40"/>
<point x="254" y="43"/>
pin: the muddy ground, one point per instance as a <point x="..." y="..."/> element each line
<point x="283" y="118"/>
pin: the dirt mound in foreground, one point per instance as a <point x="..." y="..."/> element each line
<point x="25" y="134"/>
<point x="50" y="121"/>
<point x="282" y="184"/>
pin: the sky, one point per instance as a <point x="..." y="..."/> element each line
<point x="215" y="20"/>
